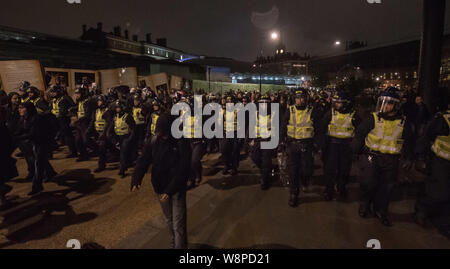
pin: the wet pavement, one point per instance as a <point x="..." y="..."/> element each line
<point x="224" y="212"/>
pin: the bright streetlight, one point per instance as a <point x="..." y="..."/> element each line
<point x="274" y="35"/>
<point x="337" y="43"/>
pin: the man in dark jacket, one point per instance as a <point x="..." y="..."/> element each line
<point x="7" y="163"/>
<point x="170" y="159"/>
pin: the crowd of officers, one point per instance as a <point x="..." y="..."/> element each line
<point x="134" y="125"/>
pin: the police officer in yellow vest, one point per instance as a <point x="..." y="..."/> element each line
<point x="123" y="130"/>
<point x="84" y="114"/>
<point x="263" y="157"/>
<point x="35" y="97"/>
<point x="382" y="138"/>
<point x="433" y="203"/>
<point x="139" y="115"/>
<point x="153" y="120"/>
<point x="338" y="129"/>
<point x="100" y="122"/>
<point x="60" y="105"/>
<point x="198" y="146"/>
<point x="298" y="129"/>
<point x="229" y="147"/>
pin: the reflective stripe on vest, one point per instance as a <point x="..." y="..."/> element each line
<point x="386" y="136"/>
<point x="120" y="125"/>
<point x="189" y="129"/>
<point x="100" y="122"/>
<point x="55" y="106"/>
<point x="35" y="101"/>
<point x="138" y="117"/>
<point x="341" y="125"/>
<point x="81" y="111"/>
<point x="155" y="118"/>
<point x="441" y="146"/>
<point x="263" y="126"/>
<point x="230" y="118"/>
<point x="300" y="124"/>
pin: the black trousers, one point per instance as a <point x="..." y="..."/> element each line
<point x="43" y="168"/>
<point x="81" y="137"/>
<point x="103" y="145"/>
<point x="143" y="164"/>
<point x="126" y="151"/>
<point x="198" y="151"/>
<point x="379" y="177"/>
<point x="26" y="147"/>
<point x="263" y="160"/>
<point x="434" y="200"/>
<point x="338" y="163"/>
<point x="230" y="149"/>
<point x="66" y="134"/>
<point x="300" y="164"/>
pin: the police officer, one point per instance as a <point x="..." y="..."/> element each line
<point x="339" y="129"/>
<point x="100" y="121"/>
<point x="229" y="147"/>
<point x="35" y="97"/>
<point x="60" y="105"/>
<point x="433" y="203"/>
<point x="139" y="115"/>
<point x="263" y="157"/>
<point x="299" y="127"/>
<point x="383" y="137"/>
<point x="123" y="129"/>
<point x="84" y="115"/>
<point x="153" y="119"/>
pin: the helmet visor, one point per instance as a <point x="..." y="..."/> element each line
<point x="387" y="105"/>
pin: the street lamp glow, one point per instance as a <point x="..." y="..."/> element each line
<point x="337" y="43"/>
<point x="274" y="36"/>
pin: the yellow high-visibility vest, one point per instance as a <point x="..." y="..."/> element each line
<point x="24" y="100"/>
<point x="263" y="126"/>
<point x="155" y="118"/>
<point x="81" y="111"/>
<point x="55" y="106"/>
<point x="441" y="146"/>
<point x="386" y="137"/>
<point x="34" y="102"/>
<point x="300" y="124"/>
<point x="341" y="125"/>
<point x="230" y="118"/>
<point x="100" y="122"/>
<point x="189" y="129"/>
<point x="120" y="125"/>
<point x="137" y="115"/>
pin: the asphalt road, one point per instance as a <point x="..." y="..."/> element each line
<point x="224" y="212"/>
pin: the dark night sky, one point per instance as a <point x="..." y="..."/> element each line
<point x="224" y="28"/>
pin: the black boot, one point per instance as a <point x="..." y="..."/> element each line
<point x="328" y="194"/>
<point x="100" y="169"/>
<point x="122" y="173"/>
<point x="384" y="219"/>
<point x="293" y="199"/>
<point x="35" y="190"/>
<point x="364" y="211"/>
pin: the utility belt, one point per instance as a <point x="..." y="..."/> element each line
<point x="375" y="154"/>
<point x="334" y="140"/>
<point x="307" y="141"/>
